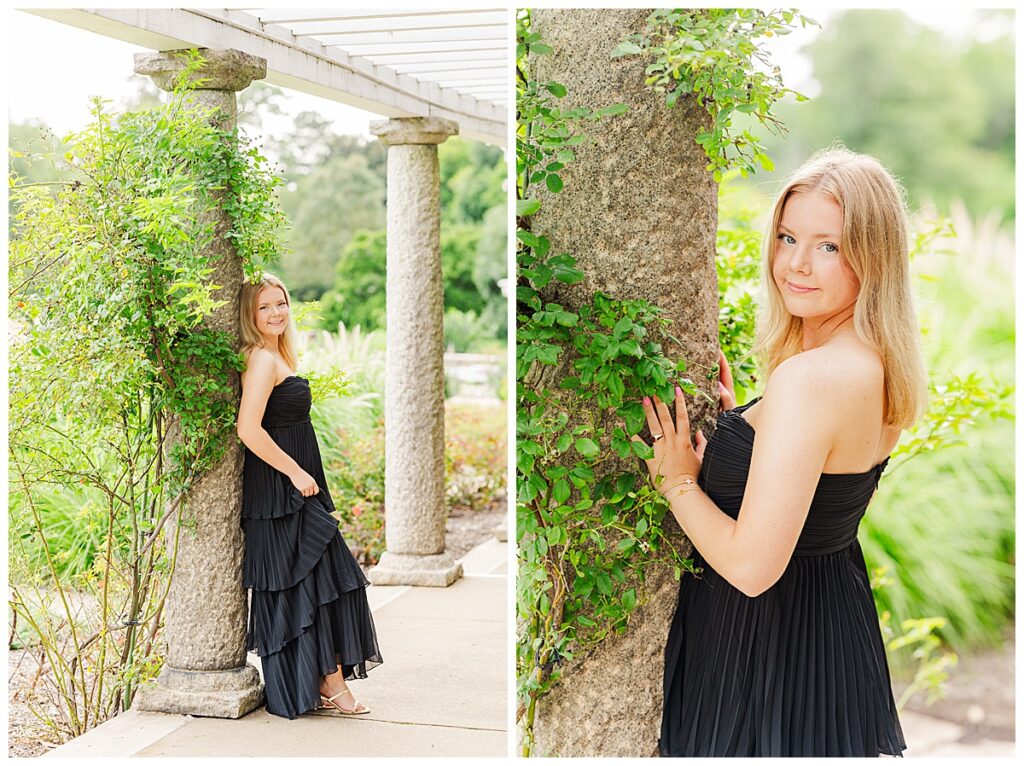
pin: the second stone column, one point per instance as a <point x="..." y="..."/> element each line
<point x="414" y="473"/>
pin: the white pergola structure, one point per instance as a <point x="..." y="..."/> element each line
<point x="451" y="64"/>
<point x="431" y="73"/>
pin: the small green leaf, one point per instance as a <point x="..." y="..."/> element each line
<point x="526" y="207"/>
<point x="625" y="48"/>
<point x="629" y="599"/>
<point x="642" y="450"/>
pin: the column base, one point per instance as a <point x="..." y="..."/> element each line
<point x="439" y="570"/>
<point x="210" y="693"/>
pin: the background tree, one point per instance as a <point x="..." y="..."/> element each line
<point x="326" y="208"/>
<point x="938" y="111"/>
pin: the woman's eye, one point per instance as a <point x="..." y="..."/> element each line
<point x="787" y="239"/>
<point x="830" y="248"/>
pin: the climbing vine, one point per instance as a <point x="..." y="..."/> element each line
<point x="120" y="395"/>
<point x="713" y="54"/>
<point x="584" y="542"/>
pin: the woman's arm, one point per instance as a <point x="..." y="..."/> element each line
<point x="798" y="420"/>
<point x="260" y="376"/>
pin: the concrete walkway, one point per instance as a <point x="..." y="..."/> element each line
<point x="929" y="736"/>
<point x="441" y="691"/>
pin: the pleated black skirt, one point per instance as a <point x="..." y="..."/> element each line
<point x="308" y="611"/>
<point x="799" y="670"/>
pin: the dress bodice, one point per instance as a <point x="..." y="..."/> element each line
<point x="288" y="404"/>
<point x="837" y="507"/>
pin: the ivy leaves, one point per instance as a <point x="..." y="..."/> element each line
<point x="111" y="282"/>
<point x="586" y="533"/>
<point x="714" y="54"/>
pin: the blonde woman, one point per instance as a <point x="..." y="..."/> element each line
<point x="308" y="619"/>
<point x="775" y="650"/>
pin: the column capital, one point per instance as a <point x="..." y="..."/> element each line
<point x="414" y="130"/>
<point x="229" y="70"/>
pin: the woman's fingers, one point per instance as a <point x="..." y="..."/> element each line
<point x="724" y="373"/>
<point x="682" y="425"/>
<point x="665" y="417"/>
<point x="702" y="443"/>
<point x="652" y="417"/>
<point x="726" y="398"/>
<point x="682" y="416"/>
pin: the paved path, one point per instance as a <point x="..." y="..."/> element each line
<point x="928" y="736"/>
<point x="442" y="690"/>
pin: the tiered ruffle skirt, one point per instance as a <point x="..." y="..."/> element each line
<point x="308" y="611"/>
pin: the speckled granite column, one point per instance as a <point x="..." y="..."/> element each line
<point x="639" y="213"/>
<point x="414" y="493"/>
<point x="205" y="672"/>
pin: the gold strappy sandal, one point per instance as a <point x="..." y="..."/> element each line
<point x="329" y="702"/>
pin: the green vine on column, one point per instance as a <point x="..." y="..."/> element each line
<point x="584" y="542"/>
<point x="713" y="53"/>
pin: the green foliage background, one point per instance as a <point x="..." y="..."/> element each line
<point x="938" y="110"/>
<point x="333" y="193"/>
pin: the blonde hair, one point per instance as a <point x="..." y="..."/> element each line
<point x="251" y="337"/>
<point x="874" y="245"/>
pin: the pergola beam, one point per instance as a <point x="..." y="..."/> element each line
<point x="268" y="14"/>
<point x="446" y="35"/>
<point x="403" y="24"/>
<point x="296" y="62"/>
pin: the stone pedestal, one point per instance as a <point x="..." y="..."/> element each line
<point x="205" y="672"/>
<point x="414" y="390"/>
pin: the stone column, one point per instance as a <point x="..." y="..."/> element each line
<point x="414" y="493"/>
<point x="639" y="213"/>
<point x="205" y="672"/>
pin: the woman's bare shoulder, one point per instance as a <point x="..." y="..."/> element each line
<point x="261" y="365"/>
<point x="835" y="379"/>
<point x="846" y="366"/>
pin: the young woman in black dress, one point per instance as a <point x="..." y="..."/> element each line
<point x="775" y="650"/>
<point x="308" y="618"/>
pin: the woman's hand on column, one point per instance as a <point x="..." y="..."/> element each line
<point x="675" y="458"/>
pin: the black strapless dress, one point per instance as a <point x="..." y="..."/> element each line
<point x="308" y="612"/>
<point x="799" y="670"/>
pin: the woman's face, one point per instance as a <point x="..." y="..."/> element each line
<point x="808" y="267"/>
<point x="271" y="311"/>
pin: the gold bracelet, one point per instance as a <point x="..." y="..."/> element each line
<point x="689" y="486"/>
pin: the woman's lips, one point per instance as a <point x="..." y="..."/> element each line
<point x="800" y="290"/>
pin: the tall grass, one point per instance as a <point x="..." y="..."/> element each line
<point x="943" y="522"/>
